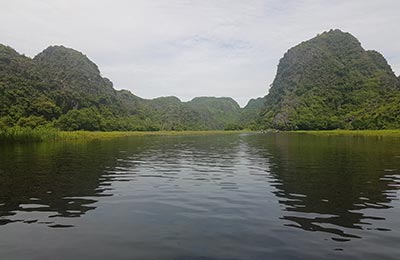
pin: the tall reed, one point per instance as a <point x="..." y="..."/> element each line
<point x="25" y="134"/>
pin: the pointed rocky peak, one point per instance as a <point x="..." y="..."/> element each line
<point x="63" y="58"/>
<point x="326" y="60"/>
<point x="13" y="62"/>
<point x="7" y="52"/>
<point x="322" y="81"/>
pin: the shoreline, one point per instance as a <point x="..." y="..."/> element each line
<point x="75" y="135"/>
<point x="26" y="135"/>
<point x="339" y="132"/>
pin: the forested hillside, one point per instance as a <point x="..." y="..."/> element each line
<point x="328" y="82"/>
<point x="331" y="82"/>
<point x="251" y="114"/>
<point x="62" y="88"/>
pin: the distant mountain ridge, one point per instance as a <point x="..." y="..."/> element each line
<point x="61" y="86"/>
<point x="327" y="82"/>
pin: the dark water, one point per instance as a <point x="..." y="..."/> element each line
<point x="244" y="196"/>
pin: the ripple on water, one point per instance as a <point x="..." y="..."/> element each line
<point x="227" y="197"/>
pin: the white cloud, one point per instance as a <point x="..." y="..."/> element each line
<point x="193" y="48"/>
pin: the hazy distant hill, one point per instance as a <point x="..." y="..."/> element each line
<point x="251" y="113"/>
<point x="218" y="113"/>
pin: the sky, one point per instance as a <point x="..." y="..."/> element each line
<point x="189" y="48"/>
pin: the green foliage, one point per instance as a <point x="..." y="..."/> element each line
<point x="31" y="121"/>
<point x="375" y="133"/>
<point x="19" y="134"/>
<point x="6" y="122"/>
<point x="251" y="113"/>
<point x="63" y="87"/>
<point x="84" y="119"/>
<point x="331" y="82"/>
<point x="215" y="113"/>
<point x="46" y="108"/>
<point x="233" y="127"/>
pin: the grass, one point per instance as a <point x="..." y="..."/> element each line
<point x="376" y="133"/>
<point x="28" y="135"/>
<point x="106" y="135"/>
<point x="25" y="135"/>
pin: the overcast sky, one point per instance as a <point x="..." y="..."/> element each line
<point x="194" y="48"/>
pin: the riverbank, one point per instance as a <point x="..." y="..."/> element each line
<point x="376" y="133"/>
<point x="27" y="135"/>
<point x="106" y="135"/>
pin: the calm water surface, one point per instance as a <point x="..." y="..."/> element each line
<point x="240" y="196"/>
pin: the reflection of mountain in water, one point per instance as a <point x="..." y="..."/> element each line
<point x="46" y="183"/>
<point x="55" y="180"/>
<point x="325" y="183"/>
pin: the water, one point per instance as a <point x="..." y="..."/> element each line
<point x="241" y="196"/>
